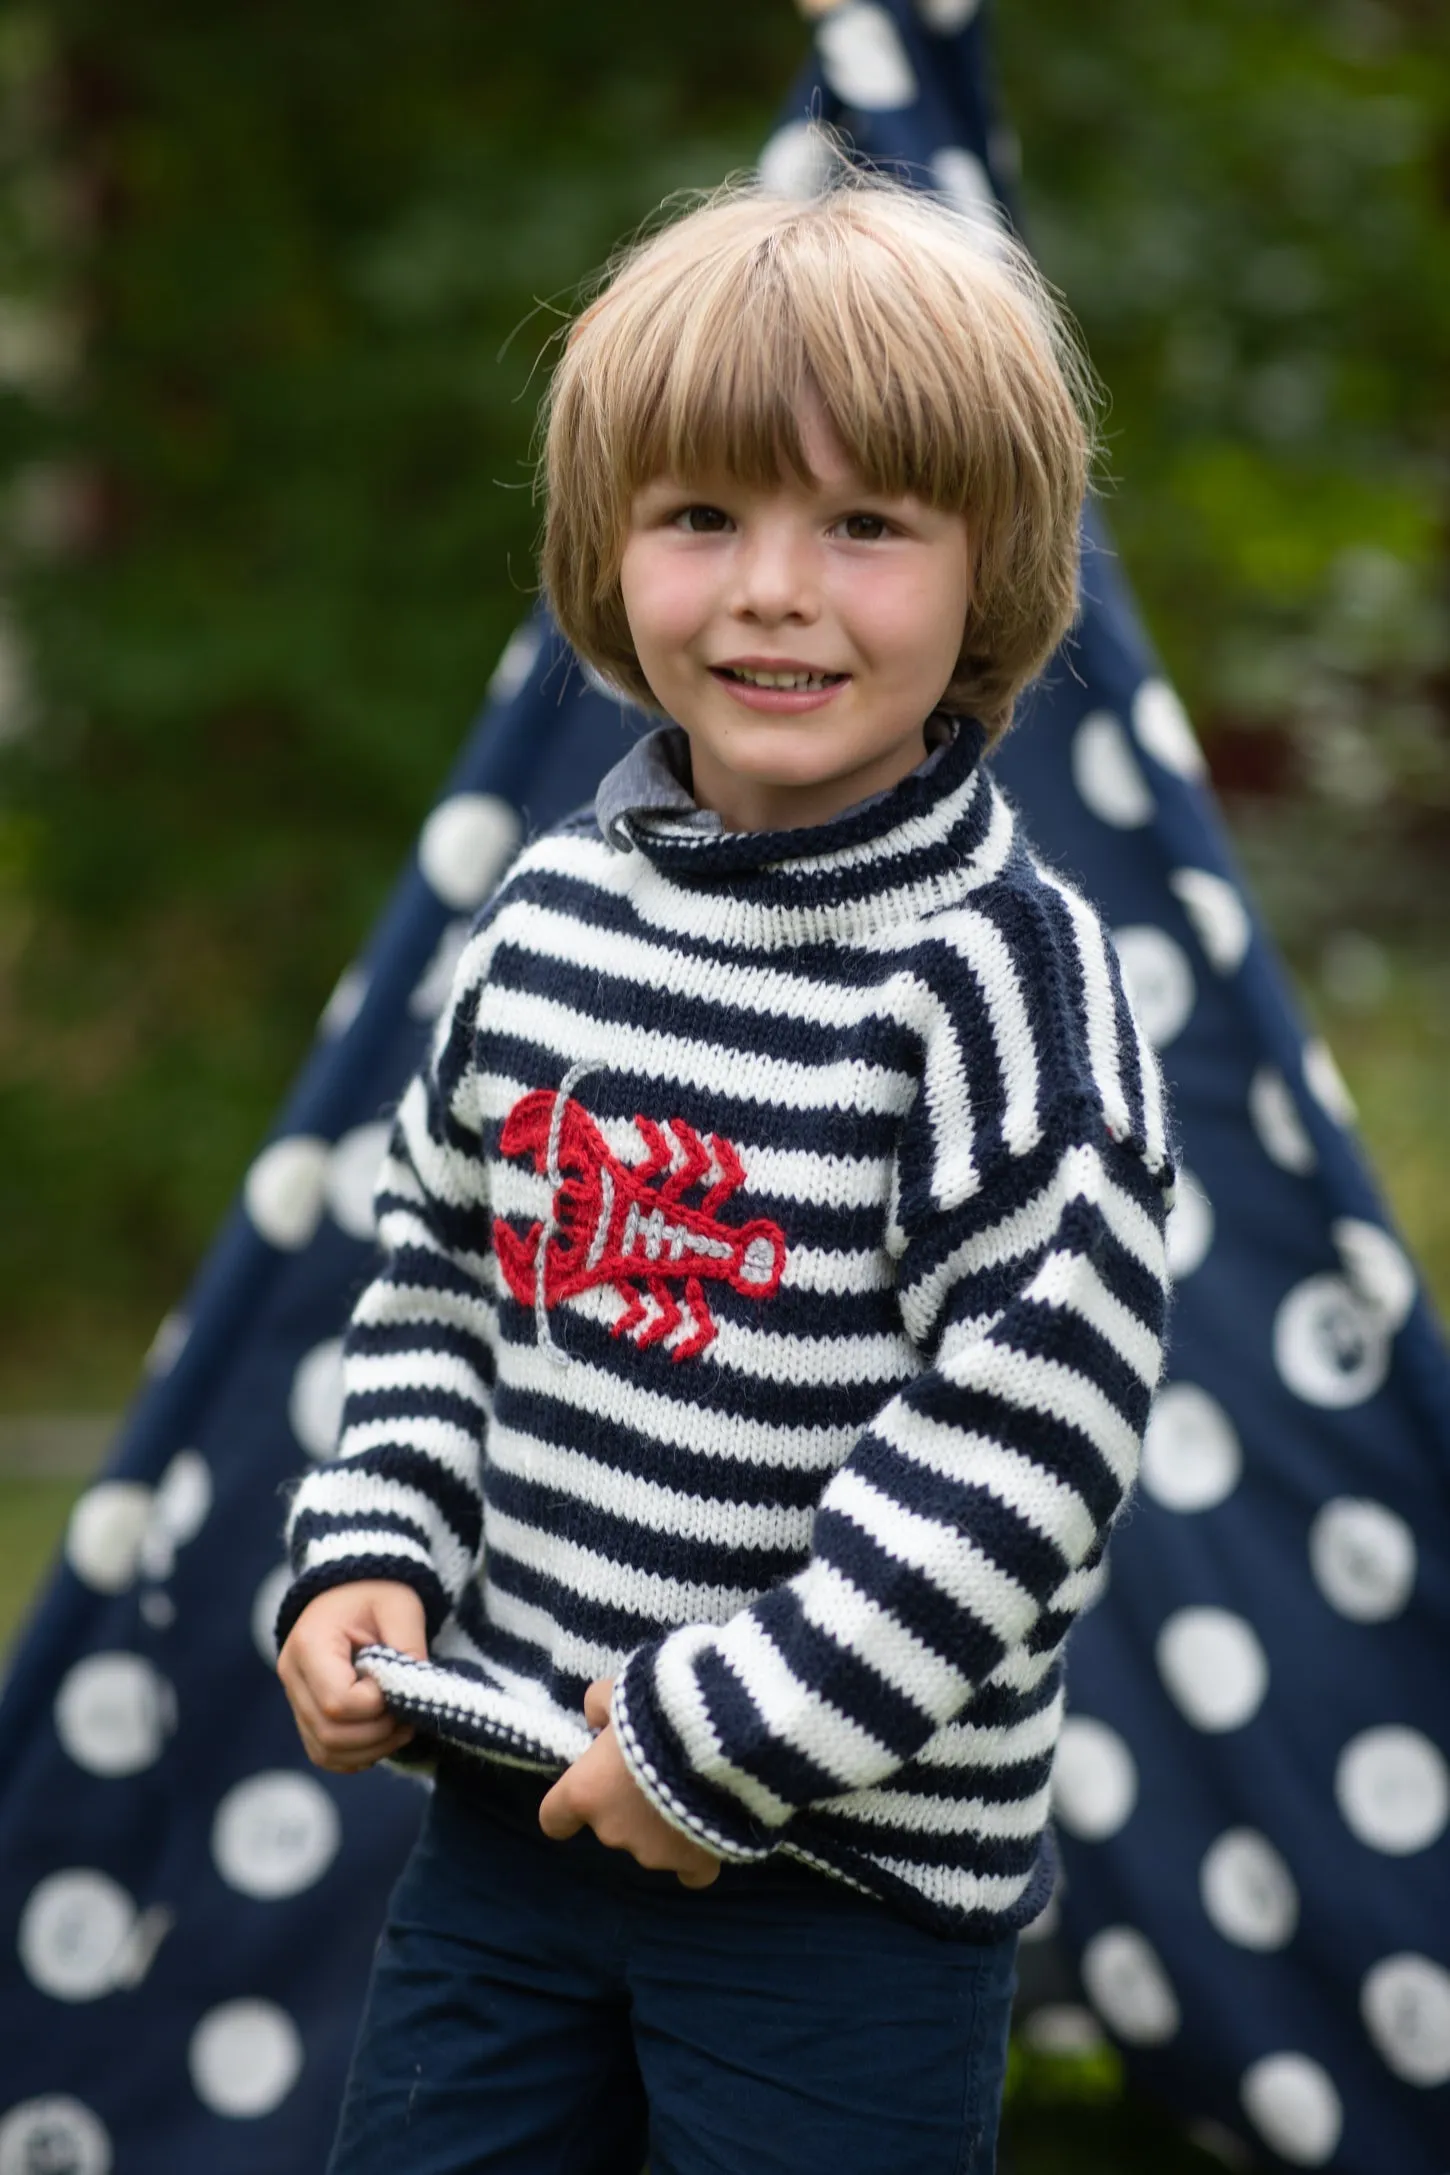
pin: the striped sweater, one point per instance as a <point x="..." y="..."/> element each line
<point x="771" y="1301"/>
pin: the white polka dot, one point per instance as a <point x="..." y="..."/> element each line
<point x="113" y="1713"/>
<point x="1379" y="1270"/>
<point x="345" y="1003"/>
<point x="55" y="2135"/>
<point x="1218" y="914"/>
<point x="167" y="1345"/>
<point x="1161" y="725"/>
<point x="1326" y="1083"/>
<point x="1129" y="1988"/>
<point x="1107" y="774"/>
<point x="864" y="60"/>
<point x="1191" y="1453"/>
<point x="967" y="186"/>
<point x="1160" y="981"/>
<point x="1094" y="1780"/>
<point x="315" y="1405"/>
<point x="157" y="1609"/>
<point x="1064" y="2029"/>
<point x="80" y="1935"/>
<point x="1294" y="2107"/>
<point x="1393" y="1789"/>
<point x="465" y="846"/>
<point x="265" y="1604"/>
<point x="1215" y="1670"/>
<point x="1329" y="1347"/>
<point x="520" y="653"/>
<point x="1190" y="1227"/>
<point x="797" y="162"/>
<point x="284" y="1190"/>
<point x="244" y="2058"/>
<point x="275" y="1834"/>
<point x="104" y="1535"/>
<point x="1248" y="1891"/>
<point x="1363" y="1558"/>
<point x="1275" y="1118"/>
<point x="1405" y="2003"/>
<point x="352" y="1174"/>
<point x="73" y="1932"/>
<point x="434" y="985"/>
<point x="947" y="15"/>
<point x="183" y="1499"/>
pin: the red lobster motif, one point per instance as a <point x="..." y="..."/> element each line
<point x="627" y="1224"/>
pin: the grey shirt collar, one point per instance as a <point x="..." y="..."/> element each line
<point x="652" y="780"/>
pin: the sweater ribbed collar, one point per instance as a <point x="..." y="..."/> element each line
<point x="861" y="878"/>
<point x="644" y="802"/>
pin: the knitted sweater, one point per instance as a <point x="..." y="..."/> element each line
<point x="772" y="1297"/>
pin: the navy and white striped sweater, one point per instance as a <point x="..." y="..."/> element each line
<point x="772" y="1299"/>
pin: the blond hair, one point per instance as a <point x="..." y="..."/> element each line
<point x="937" y="353"/>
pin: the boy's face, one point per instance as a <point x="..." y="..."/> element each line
<point x="859" y="599"/>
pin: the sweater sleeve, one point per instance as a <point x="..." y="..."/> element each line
<point x="401" y="1498"/>
<point x="965" y="1525"/>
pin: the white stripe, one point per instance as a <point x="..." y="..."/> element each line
<point x="571" y="1477"/>
<point x="614" y="1400"/>
<point x="678" y="1690"/>
<point x="1069" y="1280"/>
<point x="1098" y="982"/>
<point x="964" y="1743"/>
<point x="590" y="1576"/>
<point x="863" y="1627"/>
<point x="1048" y="1504"/>
<point x="368" y="1375"/>
<point x="796" y="1713"/>
<point x="963" y="1816"/>
<point x="330" y="1548"/>
<point x="449" y="1445"/>
<point x="954" y="1890"/>
<point x="952" y="1561"/>
<point x="1046" y="1386"/>
<point x="824" y="1269"/>
<point x="843" y="1084"/>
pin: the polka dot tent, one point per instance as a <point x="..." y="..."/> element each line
<point x="1253" y="1791"/>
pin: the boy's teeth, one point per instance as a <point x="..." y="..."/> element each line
<point x="781" y="679"/>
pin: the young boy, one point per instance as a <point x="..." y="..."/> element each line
<point x="773" y="1277"/>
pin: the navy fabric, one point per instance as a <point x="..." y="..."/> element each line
<point x="1253" y="1793"/>
<point x="543" y="2008"/>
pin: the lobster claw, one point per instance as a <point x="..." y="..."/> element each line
<point x="527" y="1129"/>
<point x="517" y="1258"/>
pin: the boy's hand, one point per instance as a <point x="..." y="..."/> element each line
<point x="599" y="1792"/>
<point x="341" y="1716"/>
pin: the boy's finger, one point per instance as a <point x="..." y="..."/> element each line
<point x="557" y="1814"/>
<point x="596" y="1702"/>
<point x="327" y="1724"/>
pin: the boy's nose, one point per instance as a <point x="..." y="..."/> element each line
<point x="775" y="578"/>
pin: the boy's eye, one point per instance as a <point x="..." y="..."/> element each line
<point x="864" y="528"/>
<point x="701" y="520"/>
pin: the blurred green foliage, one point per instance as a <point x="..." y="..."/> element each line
<point x="274" y="286"/>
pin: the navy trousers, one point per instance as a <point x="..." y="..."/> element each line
<point x="542" y="2008"/>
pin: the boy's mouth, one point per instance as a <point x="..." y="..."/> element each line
<point x="798" y="678"/>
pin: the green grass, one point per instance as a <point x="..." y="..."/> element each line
<point x="33" y="1513"/>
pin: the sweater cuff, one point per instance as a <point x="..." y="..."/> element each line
<point x="347" y="1570"/>
<point x="658" y="1761"/>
